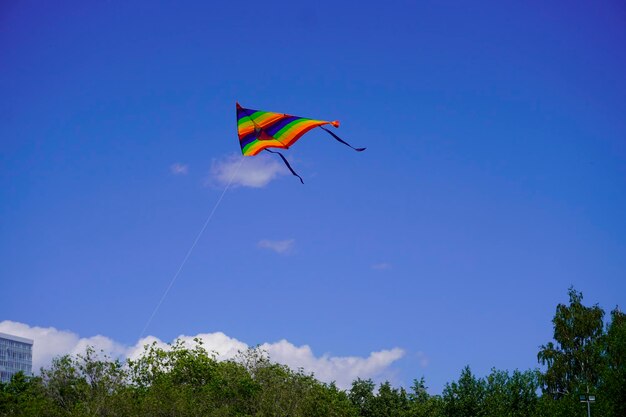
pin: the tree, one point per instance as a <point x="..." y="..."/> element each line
<point x="574" y="362"/>
<point x="85" y="384"/>
<point x="186" y="381"/>
<point x="24" y="396"/>
<point x="285" y="392"/>
<point x="390" y="402"/>
<point x="613" y="385"/>
<point x="510" y="395"/>
<point x="362" y="396"/>
<point x="423" y="405"/>
<point x="465" y="397"/>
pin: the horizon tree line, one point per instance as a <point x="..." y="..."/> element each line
<point x="586" y="356"/>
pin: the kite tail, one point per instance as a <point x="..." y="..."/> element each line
<point x="343" y="141"/>
<point x="286" y="163"/>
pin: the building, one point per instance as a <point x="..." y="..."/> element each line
<point x="16" y="354"/>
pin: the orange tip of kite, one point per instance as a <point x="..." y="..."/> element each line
<point x="335" y="123"/>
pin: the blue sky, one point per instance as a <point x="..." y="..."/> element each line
<point x="494" y="178"/>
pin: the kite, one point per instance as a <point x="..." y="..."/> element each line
<point x="260" y="130"/>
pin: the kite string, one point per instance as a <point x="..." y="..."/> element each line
<point x="180" y="268"/>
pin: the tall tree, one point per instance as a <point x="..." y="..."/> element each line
<point x="613" y="386"/>
<point x="574" y="361"/>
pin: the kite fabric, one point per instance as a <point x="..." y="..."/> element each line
<point x="260" y="130"/>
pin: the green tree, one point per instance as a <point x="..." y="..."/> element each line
<point x="284" y="392"/>
<point x="574" y="362"/>
<point x="390" y="402"/>
<point x="326" y="400"/>
<point x="511" y="395"/>
<point x="24" y="396"/>
<point x="362" y="396"/>
<point x="613" y="385"/>
<point x="185" y="381"/>
<point x="85" y="384"/>
<point x="464" y="398"/>
<point x="421" y="404"/>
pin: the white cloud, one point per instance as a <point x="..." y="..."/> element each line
<point x="342" y="369"/>
<point x="382" y="266"/>
<point x="179" y="169"/>
<point x="278" y="246"/>
<point x="50" y="342"/>
<point x="256" y="172"/>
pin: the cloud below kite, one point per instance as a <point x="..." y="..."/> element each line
<point x="50" y="342"/>
<point x="254" y="172"/>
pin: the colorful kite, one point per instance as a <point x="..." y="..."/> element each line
<point x="260" y="130"/>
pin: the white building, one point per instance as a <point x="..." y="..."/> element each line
<point x="16" y="354"/>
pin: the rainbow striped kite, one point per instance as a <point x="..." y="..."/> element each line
<point x="260" y="130"/>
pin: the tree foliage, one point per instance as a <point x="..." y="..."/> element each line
<point x="613" y="376"/>
<point x="574" y="362"/>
